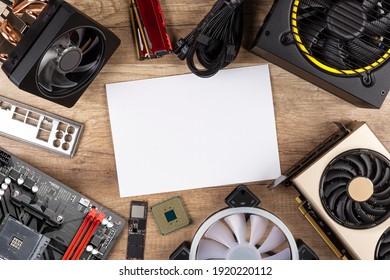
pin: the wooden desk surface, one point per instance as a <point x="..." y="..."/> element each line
<point x="304" y="117"/>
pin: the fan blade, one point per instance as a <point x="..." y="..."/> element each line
<point x="360" y="165"/>
<point x="258" y="227"/>
<point x="383" y="194"/>
<point x="337" y="174"/>
<point x="340" y="207"/>
<point x="384" y="179"/>
<point x="221" y="233"/>
<point x="379" y="203"/>
<point x="367" y="162"/>
<point x="237" y="223"/>
<point x="350" y="214"/>
<point x="282" y="255"/>
<point x="334" y="185"/>
<point x="63" y="41"/>
<point x="80" y="33"/>
<point x="379" y="27"/>
<point x="310" y="30"/>
<point x="85" y="68"/>
<point x="45" y="77"/>
<point x="385" y="249"/>
<point x="369" y="5"/>
<point x="343" y="165"/>
<point x="88" y="47"/>
<point x="372" y="211"/>
<point x="209" y="249"/>
<point x="363" y="52"/>
<point x="59" y="80"/>
<point x="363" y="215"/>
<point x="334" y="197"/>
<point x="387" y="239"/>
<point x="274" y="240"/>
<point x="304" y="4"/>
<point x="49" y="55"/>
<point x="333" y="54"/>
<point x="378" y="173"/>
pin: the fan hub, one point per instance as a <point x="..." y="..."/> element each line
<point x="243" y="252"/>
<point x="346" y="19"/>
<point x="361" y="189"/>
<point x="69" y="59"/>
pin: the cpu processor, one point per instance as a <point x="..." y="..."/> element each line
<point x="170" y="215"/>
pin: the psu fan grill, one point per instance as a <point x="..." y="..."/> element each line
<point x="355" y="189"/>
<point x="342" y="37"/>
<point x="383" y="247"/>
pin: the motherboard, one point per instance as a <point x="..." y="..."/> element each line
<point x="42" y="219"/>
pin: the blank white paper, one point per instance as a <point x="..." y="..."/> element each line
<point x="185" y="132"/>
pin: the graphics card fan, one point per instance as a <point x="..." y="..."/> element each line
<point x="383" y="248"/>
<point x="355" y="188"/>
<point x="229" y="235"/>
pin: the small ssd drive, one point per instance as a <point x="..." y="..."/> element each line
<point x="137" y="230"/>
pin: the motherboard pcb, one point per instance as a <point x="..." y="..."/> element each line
<point x="41" y="218"/>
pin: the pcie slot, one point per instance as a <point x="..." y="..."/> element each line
<point x="83" y="235"/>
<point x="338" y="250"/>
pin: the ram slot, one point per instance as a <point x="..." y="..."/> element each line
<point x="80" y="233"/>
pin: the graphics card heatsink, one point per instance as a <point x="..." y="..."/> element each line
<point x="51" y="49"/>
<point x="342" y="46"/>
<point x="345" y="192"/>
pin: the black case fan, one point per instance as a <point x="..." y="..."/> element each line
<point x="342" y="46"/>
<point x="60" y="54"/>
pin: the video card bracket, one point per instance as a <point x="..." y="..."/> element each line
<point x="342" y="133"/>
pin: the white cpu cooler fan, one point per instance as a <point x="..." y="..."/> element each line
<point x="243" y="233"/>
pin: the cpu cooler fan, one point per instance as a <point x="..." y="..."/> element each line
<point x="224" y="236"/>
<point x="342" y="46"/>
<point x="53" y="50"/>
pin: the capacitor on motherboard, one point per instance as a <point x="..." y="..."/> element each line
<point x="104" y="222"/>
<point x="95" y="252"/>
<point x="4" y="186"/>
<point x="34" y="189"/>
<point x="20" y="181"/>
<point x="1" y="192"/>
<point x="7" y="180"/>
<point x="89" y="248"/>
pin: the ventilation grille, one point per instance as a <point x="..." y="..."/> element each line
<point x="343" y="37"/>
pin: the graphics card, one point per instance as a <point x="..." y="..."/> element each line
<point x="342" y="46"/>
<point x="345" y="192"/>
<point x="42" y="219"/>
<point x="51" y="49"/>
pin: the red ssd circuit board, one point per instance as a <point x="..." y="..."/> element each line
<point x="149" y="28"/>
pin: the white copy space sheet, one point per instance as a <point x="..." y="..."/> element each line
<point x="185" y="132"/>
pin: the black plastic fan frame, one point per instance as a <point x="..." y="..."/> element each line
<point x="382" y="251"/>
<point x="350" y="36"/>
<point x="275" y="42"/>
<point x="56" y="20"/>
<point x="335" y="182"/>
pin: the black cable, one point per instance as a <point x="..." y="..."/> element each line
<point x="216" y="40"/>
